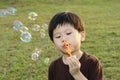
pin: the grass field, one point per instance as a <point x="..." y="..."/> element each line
<point x="102" y="19"/>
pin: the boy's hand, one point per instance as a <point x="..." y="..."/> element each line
<point x="74" y="65"/>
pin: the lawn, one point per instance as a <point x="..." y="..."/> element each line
<point x="102" y="19"/>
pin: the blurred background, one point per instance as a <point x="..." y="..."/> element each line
<point x="26" y="50"/>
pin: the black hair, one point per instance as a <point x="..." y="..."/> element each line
<point x="63" y="18"/>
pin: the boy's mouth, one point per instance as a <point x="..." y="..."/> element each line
<point x="64" y="46"/>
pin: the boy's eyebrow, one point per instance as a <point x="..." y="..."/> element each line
<point x="68" y="30"/>
<point x="56" y="33"/>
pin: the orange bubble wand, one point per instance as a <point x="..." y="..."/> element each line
<point x="68" y="48"/>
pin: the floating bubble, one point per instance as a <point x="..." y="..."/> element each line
<point x="42" y="35"/>
<point x="46" y="60"/>
<point x="18" y="25"/>
<point x="38" y="51"/>
<point x="42" y="31"/>
<point x="44" y="26"/>
<point x="32" y="15"/>
<point x="26" y="36"/>
<point x="34" y="56"/>
<point x="3" y="13"/>
<point x="12" y="10"/>
<point x="24" y="29"/>
<point x="36" y="27"/>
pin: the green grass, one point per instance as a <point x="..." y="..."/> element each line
<point x="102" y="26"/>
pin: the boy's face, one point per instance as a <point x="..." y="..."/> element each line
<point x="69" y="33"/>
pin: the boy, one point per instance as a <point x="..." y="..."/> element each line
<point x="67" y="26"/>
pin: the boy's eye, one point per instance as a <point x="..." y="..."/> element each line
<point x="68" y="33"/>
<point x="58" y="36"/>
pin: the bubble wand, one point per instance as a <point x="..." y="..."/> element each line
<point x="68" y="48"/>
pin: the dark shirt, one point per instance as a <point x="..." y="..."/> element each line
<point x="90" y="68"/>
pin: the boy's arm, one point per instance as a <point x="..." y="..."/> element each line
<point x="74" y="68"/>
<point x="79" y="76"/>
<point x="95" y="70"/>
<point x="50" y="71"/>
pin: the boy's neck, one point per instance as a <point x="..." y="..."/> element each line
<point x="78" y="54"/>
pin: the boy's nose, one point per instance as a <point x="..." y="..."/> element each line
<point x="64" y="40"/>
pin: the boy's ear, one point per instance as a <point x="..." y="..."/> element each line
<point x="83" y="34"/>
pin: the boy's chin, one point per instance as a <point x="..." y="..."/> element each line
<point x="64" y="52"/>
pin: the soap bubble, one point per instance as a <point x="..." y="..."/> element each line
<point x="17" y="25"/>
<point x="32" y="15"/>
<point x="42" y="35"/>
<point x="36" y="27"/>
<point x="46" y="60"/>
<point x="38" y="51"/>
<point x="44" y="26"/>
<point x="42" y="31"/>
<point x="3" y="12"/>
<point x="34" y="56"/>
<point x="26" y="36"/>
<point x="12" y="10"/>
<point x="24" y="29"/>
<point x="9" y="11"/>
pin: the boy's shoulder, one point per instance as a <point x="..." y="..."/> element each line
<point x="56" y="61"/>
<point x="90" y="58"/>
